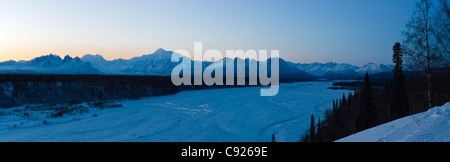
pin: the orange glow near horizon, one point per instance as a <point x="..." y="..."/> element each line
<point x="27" y="54"/>
<point x="355" y="32"/>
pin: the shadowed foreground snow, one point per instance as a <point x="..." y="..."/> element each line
<point x="430" y="126"/>
<point x="217" y="115"/>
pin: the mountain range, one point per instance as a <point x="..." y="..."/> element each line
<point x="159" y="63"/>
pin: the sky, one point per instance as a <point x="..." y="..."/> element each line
<point x="304" y="31"/>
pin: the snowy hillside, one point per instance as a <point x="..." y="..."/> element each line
<point x="430" y="126"/>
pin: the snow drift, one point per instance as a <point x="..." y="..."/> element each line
<point x="430" y="126"/>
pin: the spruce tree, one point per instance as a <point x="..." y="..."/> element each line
<point x="349" y="98"/>
<point x="399" y="106"/>
<point x="319" y="132"/>
<point x="344" y="101"/>
<point x="312" y="129"/>
<point x="334" y="107"/>
<point x="367" y="112"/>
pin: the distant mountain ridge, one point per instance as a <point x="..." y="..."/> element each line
<point x="49" y="64"/>
<point x="330" y="69"/>
<point x="159" y="63"/>
<point x="333" y="70"/>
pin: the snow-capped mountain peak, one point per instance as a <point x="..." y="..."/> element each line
<point x="160" y="63"/>
<point x="372" y="68"/>
<point x="47" y="61"/>
<point x="161" y="51"/>
<point x="330" y="68"/>
<point x="50" y="64"/>
<point x="93" y="58"/>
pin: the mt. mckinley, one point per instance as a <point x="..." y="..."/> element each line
<point x="159" y="63"/>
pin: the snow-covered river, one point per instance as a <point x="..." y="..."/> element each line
<point x="217" y="115"/>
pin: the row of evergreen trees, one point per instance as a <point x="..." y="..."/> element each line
<point x="358" y="111"/>
<point x="426" y="47"/>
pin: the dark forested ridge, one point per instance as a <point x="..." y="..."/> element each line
<point x="19" y="89"/>
<point x="108" y="79"/>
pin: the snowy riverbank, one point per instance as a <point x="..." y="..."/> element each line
<point x="224" y="115"/>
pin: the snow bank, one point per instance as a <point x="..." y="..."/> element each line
<point x="430" y="126"/>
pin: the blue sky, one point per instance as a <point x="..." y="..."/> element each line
<point x="350" y="31"/>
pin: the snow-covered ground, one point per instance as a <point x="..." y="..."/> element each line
<point x="430" y="126"/>
<point x="217" y="115"/>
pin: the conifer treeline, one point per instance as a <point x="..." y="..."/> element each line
<point x="342" y="121"/>
<point x="350" y="114"/>
<point x="368" y="107"/>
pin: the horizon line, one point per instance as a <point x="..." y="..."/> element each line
<point x="62" y="57"/>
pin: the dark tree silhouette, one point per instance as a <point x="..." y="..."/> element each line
<point x="399" y="106"/>
<point x="312" y="129"/>
<point x="367" y="112"/>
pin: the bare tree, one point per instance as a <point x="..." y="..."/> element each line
<point x="442" y="31"/>
<point x="426" y="42"/>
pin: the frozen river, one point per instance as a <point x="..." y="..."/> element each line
<point x="216" y="115"/>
